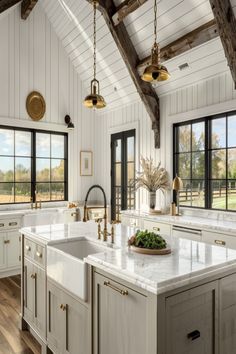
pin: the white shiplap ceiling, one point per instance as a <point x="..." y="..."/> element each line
<point x="72" y="21"/>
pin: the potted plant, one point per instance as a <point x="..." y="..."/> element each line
<point x="152" y="178"/>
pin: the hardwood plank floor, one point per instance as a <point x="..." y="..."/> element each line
<point x="12" y="340"/>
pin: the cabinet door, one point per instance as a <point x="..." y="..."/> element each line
<point x="40" y="301"/>
<point x="13" y="248"/>
<point x="191" y="321"/>
<point x="55" y="319"/>
<point x="29" y="291"/>
<point x="77" y="330"/>
<point x="120" y="319"/>
<point x="228" y="314"/>
<point x="2" y="250"/>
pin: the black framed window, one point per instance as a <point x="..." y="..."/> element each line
<point x="205" y="158"/>
<point x="122" y="172"/>
<point x="32" y="161"/>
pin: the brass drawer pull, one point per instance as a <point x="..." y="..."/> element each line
<point x="155" y="228"/>
<point x="220" y="242"/>
<point x="6" y="241"/>
<point x="38" y="254"/>
<point x="122" y="292"/>
<point x="28" y="248"/>
<point x="2" y="225"/>
<point x="13" y="223"/>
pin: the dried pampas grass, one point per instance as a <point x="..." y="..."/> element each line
<point x="152" y="178"/>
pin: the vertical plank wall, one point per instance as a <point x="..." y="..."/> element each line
<point x="32" y="58"/>
<point x="207" y="97"/>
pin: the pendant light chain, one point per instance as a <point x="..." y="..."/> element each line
<point x="155" y="22"/>
<point x="94" y="38"/>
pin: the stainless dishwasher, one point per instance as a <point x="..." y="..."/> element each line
<point x="186" y="232"/>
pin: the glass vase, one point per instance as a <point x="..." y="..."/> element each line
<point x="152" y="200"/>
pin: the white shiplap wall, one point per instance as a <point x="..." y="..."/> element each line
<point x="32" y="58"/>
<point x="201" y="99"/>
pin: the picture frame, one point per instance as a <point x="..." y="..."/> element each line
<point x="86" y="163"/>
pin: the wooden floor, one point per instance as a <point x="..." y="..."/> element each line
<point x="12" y="340"/>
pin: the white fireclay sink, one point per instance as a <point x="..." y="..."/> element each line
<point x="66" y="265"/>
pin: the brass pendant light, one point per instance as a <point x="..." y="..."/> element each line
<point x="155" y="72"/>
<point x="94" y="99"/>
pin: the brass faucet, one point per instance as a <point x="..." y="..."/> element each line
<point x="105" y="233"/>
<point x="37" y="204"/>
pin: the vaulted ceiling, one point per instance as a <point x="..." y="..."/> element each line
<point x="72" y="21"/>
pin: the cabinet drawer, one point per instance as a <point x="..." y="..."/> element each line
<point x="219" y="239"/>
<point x="10" y="224"/>
<point x="190" y="321"/>
<point x="163" y="229"/>
<point x="129" y="221"/>
<point x="35" y="252"/>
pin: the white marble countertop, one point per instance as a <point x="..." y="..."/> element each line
<point x="189" y="261"/>
<point x="203" y="223"/>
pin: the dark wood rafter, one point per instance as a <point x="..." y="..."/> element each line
<point x="226" y="23"/>
<point x="6" y="4"/>
<point x="126" y="8"/>
<point x="131" y="59"/>
<point x="189" y="41"/>
<point x="26" y="8"/>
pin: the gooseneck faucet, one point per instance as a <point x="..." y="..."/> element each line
<point x="105" y="233"/>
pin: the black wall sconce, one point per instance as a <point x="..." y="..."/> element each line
<point x="69" y="123"/>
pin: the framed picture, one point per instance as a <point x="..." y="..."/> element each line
<point x="86" y="163"/>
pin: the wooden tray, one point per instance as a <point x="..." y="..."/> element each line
<point x="161" y="251"/>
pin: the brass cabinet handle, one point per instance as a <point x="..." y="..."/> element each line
<point x="2" y="224"/>
<point x="38" y="254"/>
<point x="13" y="223"/>
<point x="28" y="248"/>
<point x="62" y="307"/>
<point x="122" y="292"/>
<point x="6" y="241"/>
<point x="220" y="242"/>
<point x="155" y="228"/>
<point x="49" y="311"/>
<point x="33" y="276"/>
<point x="25" y="285"/>
<point x="67" y="328"/>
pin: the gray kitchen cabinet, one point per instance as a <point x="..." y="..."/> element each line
<point x="68" y="323"/>
<point x="191" y="321"/>
<point x="34" y="296"/>
<point x="13" y="249"/>
<point x="227" y="329"/>
<point x="123" y="319"/>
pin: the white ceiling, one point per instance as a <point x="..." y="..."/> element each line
<point x="72" y="21"/>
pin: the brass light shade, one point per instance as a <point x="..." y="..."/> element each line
<point x="94" y="99"/>
<point x="177" y="184"/>
<point x="155" y="72"/>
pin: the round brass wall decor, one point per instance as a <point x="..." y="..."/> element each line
<point x="35" y="105"/>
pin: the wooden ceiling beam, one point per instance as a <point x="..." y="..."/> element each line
<point x="6" y="4"/>
<point x="126" y="48"/>
<point x="26" y="8"/>
<point x="126" y="8"/>
<point x="189" y="41"/>
<point x="226" y="24"/>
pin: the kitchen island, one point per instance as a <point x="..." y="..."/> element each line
<point x="111" y="300"/>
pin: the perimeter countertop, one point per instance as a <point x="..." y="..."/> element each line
<point x="203" y="223"/>
<point x="189" y="261"/>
